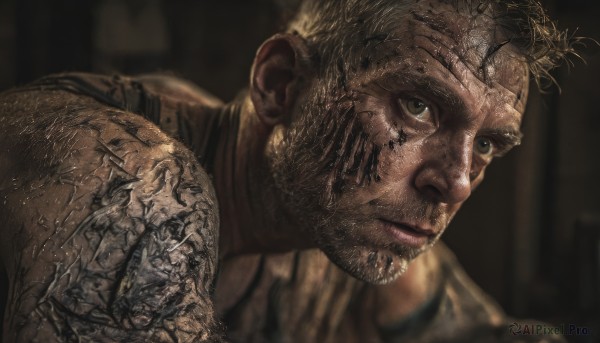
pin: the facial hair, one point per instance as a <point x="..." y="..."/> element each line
<point x="325" y="153"/>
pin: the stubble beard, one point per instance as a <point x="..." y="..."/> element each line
<point x="305" y="181"/>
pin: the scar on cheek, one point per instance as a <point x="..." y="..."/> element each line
<point x="350" y="155"/>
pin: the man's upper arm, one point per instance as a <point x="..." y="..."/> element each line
<point x="109" y="226"/>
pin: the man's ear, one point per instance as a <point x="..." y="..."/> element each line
<point x="279" y="68"/>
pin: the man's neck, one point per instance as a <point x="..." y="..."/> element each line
<point x="250" y="221"/>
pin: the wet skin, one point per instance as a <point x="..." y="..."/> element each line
<point x="437" y="106"/>
<point x="110" y="225"/>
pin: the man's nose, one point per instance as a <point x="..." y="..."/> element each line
<point x="444" y="174"/>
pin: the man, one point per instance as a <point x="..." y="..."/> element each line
<point x="143" y="209"/>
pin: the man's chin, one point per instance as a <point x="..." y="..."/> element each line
<point x="375" y="266"/>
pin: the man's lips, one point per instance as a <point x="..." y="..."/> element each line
<point x="408" y="235"/>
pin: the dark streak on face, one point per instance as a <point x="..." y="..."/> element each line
<point x="349" y="151"/>
<point x="349" y="154"/>
<point x="371" y="165"/>
<point x="400" y="140"/>
<point x="343" y="81"/>
<point x="434" y="22"/>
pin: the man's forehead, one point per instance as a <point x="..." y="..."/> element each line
<point x="462" y="40"/>
<point x="471" y="32"/>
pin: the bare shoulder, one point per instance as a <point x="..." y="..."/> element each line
<point x="109" y="226"/>
<point x="179" y="89"/>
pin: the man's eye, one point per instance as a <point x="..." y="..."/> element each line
<point x="417" y="108"/>
<point x="484" y="146"/>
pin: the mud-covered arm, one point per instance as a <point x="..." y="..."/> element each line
<point x="109" y="227"/>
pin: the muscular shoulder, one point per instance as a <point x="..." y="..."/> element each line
<point x="178" y="89"/>
<point x="175" y="105"/>
<point x="112" y="224"/>
<point x="127" y="91"/>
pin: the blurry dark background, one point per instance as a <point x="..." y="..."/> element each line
<point x="529" y="236"/>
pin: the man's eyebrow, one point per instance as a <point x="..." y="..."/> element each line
<point x="504" y="138"/>
<point x="509" y="135"/>
<point x="434" y="89"/>
<point x="430" y="86"/>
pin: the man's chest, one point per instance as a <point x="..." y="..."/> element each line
<point x="298" y="297"/>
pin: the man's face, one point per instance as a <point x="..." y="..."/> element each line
<point x="376" y="170"/>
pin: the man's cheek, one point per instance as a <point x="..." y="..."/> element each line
<point x="383" y="128"/>
<point x="353" y="140"/>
